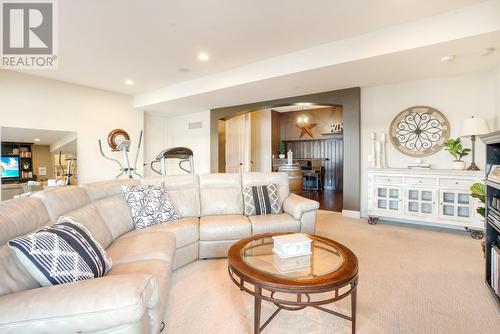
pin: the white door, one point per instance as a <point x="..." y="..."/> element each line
<point x="238" y="144"/>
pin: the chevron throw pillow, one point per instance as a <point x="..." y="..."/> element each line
<point x="62" y="253"/>
<point x="261" y="200"/>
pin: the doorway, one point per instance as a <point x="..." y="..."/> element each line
<point x="314" y="136"/>
<point x="261" y="140"/>
<point x="237" y="148"/>
<point x="348" y="99"/>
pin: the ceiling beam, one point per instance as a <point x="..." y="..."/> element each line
<point x="475" y="20"/>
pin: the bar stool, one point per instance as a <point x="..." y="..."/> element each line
<point x="309" y="175"/>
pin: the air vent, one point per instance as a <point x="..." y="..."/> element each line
<point x="194" y="125"/>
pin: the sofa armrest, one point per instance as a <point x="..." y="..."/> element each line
<point x="296" y="205"/>
<point x="80" y="307"/>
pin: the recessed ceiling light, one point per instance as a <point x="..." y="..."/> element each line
<point x="37" y="139"/>
<point x="203" y="56"/>
<point x="303" y="104"/>
<point x="447" y="59"/>
<point x="488" y="51"/>
<point x="129" y="82"/>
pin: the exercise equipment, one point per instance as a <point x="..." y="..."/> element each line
<point x="183" y="153"/>
<point x="70" y="170"/>
<point x="119" y="141"/>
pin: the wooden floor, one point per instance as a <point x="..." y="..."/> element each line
<point x="328" y="200"/>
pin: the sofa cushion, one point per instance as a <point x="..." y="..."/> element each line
<point x="185" y="230"/>
<point x="136" y="246"/>
<point x="105" y="189"/>
<point x="89" y="217"/>
<point x="149" y="205"/>
<point x="157" y="268"/>
<point x="220" y="194"/>
<point x="224" y="227"/>
<point x="161" y="271"/>
<point x="184" y="191"/>
<point x="75" y="202"/>
<point x="115" y="213"/>
<point x="13" y="276"/>
<point x="21" y="216"/>
<point x="258" y="179"/>
<point x="60" y="201"/>
<point x="274" y="223"/>
<point x="261" y="200"/>
<point x="61" y="253"/>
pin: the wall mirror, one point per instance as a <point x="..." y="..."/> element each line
<point x="33" y="159"/>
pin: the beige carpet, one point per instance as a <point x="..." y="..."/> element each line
<point x="412" y="280"/>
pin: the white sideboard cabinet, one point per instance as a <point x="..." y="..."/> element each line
<point x="432" y="197"/>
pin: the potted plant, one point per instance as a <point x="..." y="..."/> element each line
<point x="454" y="146"/>
<point x="478" y="190"/>
<point x="282" y="150"/>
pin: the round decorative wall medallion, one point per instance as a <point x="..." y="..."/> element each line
<point x="116" y="137"/>
<point x="419" y="131"/>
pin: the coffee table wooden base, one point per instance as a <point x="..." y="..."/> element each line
<point x="302" y="300"/>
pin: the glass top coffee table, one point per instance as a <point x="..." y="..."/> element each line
<point x="329" y="274"/>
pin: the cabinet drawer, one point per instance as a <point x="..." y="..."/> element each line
<point x="455" y="183"/>
<point x="389" y="179"/>
<point x="421" y="181"/>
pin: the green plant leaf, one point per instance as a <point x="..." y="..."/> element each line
<point x="481" y="211"/>
<point x="478" y="190"/>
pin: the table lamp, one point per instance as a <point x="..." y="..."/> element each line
<point x="472" y="127"/>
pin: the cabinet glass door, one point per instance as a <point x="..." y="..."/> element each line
<point x="388" y="198"/>
<point x="455" y="204"/>
<point x="420" y="202"/>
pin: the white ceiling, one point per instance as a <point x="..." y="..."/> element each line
<point x="102" y="43"/>
<point x="414" y="64"/>
<point x="23" y="135"/>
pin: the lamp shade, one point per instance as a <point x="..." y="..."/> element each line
<point x="473" y="126"/>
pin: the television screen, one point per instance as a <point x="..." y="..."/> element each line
<point x="10" y="166"/>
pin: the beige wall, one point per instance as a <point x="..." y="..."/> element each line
<point x="162" y="132"/>
<point x="42" y="158"/>
<point x="34" y="102"/>
<point x="457" y="97"/>
<point x="261" y="142"/>
<point x="322" y="116"/>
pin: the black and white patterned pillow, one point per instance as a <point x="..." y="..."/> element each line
<point x="149" y="205"/>
<point x="62" y="253"/>
<point x="261" y="200"/>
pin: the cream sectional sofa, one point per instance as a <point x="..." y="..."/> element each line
<point x="132" y="297"/>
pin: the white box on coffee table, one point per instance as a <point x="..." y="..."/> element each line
<point x="291" y="245"/>
<point x="291" y="264"/>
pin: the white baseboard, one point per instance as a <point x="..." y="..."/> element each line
<point x="351" y="214"/>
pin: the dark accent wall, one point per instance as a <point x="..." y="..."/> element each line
<point x="349" y="99"/>
<point x="331" y="148"/>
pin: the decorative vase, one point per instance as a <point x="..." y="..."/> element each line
<point x="378" y="154"/>
<point x="281" y="156"/>
<point x="373" y="138"/>
<point x="383" y="154"/>
<point x="458" y="165"/>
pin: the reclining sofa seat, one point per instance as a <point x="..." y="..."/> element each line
<point x="222" y="222"/>
<point x="132" y="297"/>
